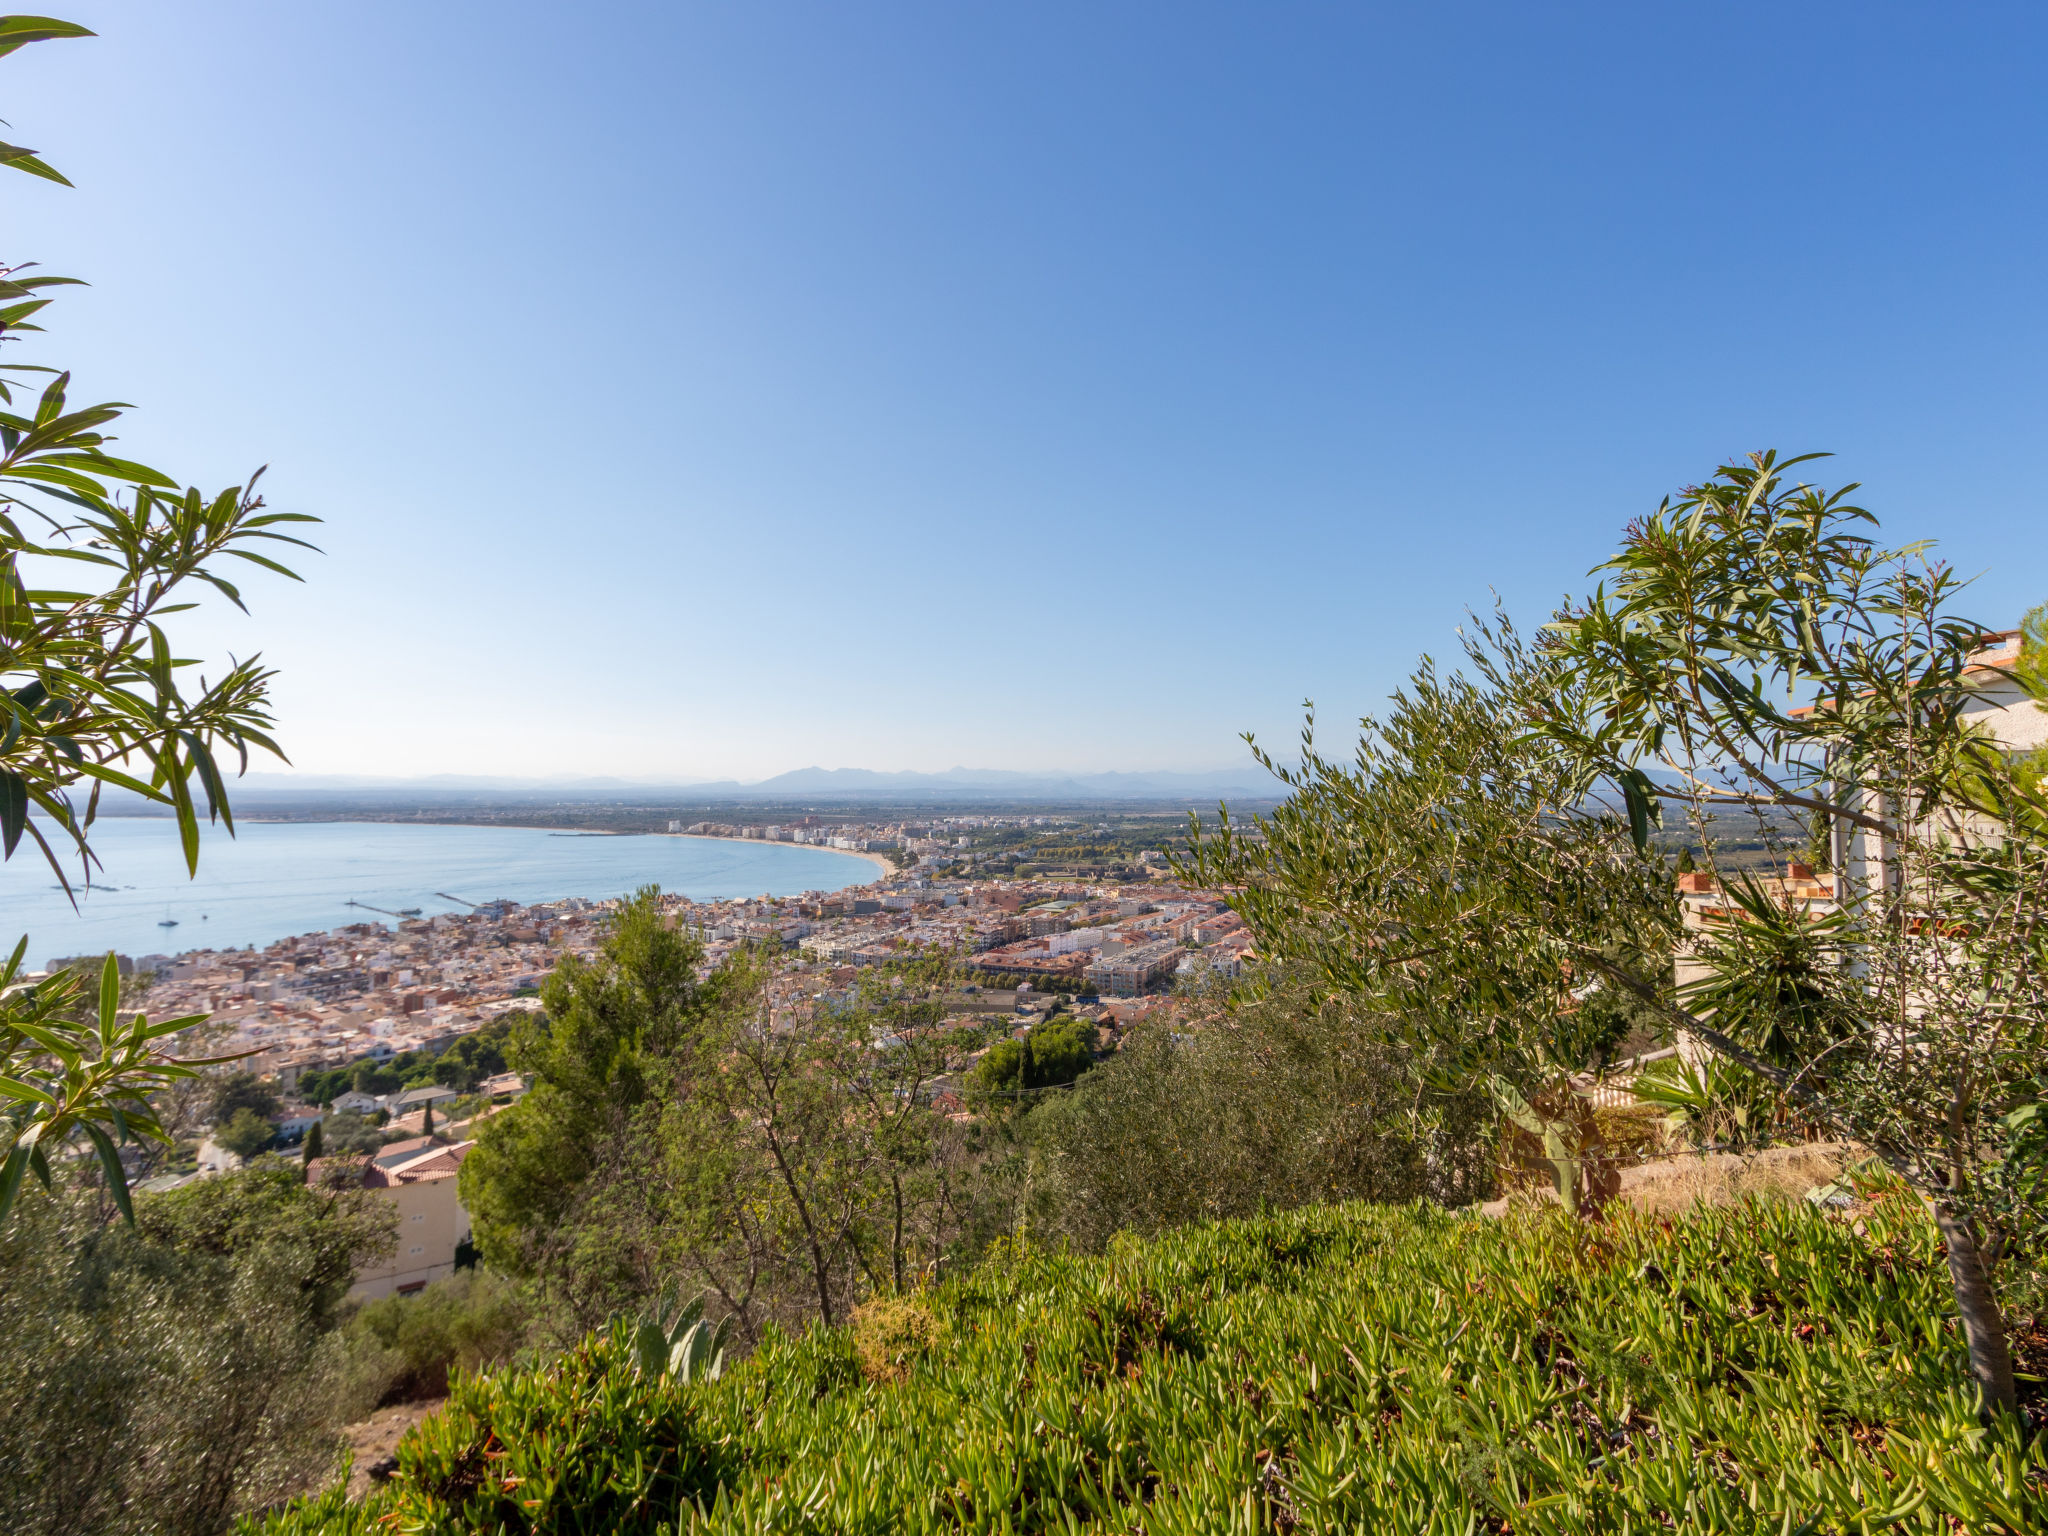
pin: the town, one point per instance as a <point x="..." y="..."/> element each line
<point x="361" y="1029"/>
<point x="1483" y="967"/>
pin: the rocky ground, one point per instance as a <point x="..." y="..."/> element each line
<point x="376" y="1439"/>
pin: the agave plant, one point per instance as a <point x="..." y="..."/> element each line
<point x="677" y="1341"/>
<point x="1709" y="1103"/>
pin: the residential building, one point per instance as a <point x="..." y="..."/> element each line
<point x="420" y="1098"/>
<point x="1132" y="971"/>
<point x="2003" y="711"/>
<point x="504" y="1088"/>
<point x="431" y="1221"/>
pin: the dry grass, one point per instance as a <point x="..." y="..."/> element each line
<point x="1672" y="1184"/>
<point x="891" y="1332"/>
<point x="1669" y="1184"/>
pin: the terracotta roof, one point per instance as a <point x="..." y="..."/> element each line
<point x="1998" y="654"/>
<point x="395" y="1152"/>
<point x="439" y="1162"/>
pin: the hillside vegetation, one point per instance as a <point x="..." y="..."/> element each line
<point x="1759" y="1369"/>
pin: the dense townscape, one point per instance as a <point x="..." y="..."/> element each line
<point x="300" y="1011"/>
<point x="1605" y="1094"/>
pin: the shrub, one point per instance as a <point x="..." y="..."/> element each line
<point x="245" y="1133"/>
<point x="348" y="1135"/>
<point x="469" y="1321"/>
<point x="160" y="1378"/>
<point x="890" y="1333"/>
<point x="1337" y="1368"/>
<point x="1052" y="1055"/>
<point x="583" y="1444"/>
<point x="1286" y="1099"/>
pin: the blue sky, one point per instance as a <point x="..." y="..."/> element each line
<point x="705" y="390"/>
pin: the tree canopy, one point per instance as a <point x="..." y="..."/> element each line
<point x="1480" y="878"/>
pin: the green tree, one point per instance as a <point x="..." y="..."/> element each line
<point x="802" y="1160"/>
<point x="94" y="693"/>
<point x="1051" y="1055"/>
<point x="246" y="1133"/>
<point x="1471" y="882"/>
<point x="346" y="1135"/>
<point x="1288" y="1097"/>
<point x="613" y="1034"/>
<point x="1456" y="885"/>
<point x="243" y="1090"/>
<point x="2031" y="673"/>
<point x="1759" y="647"/>
<point x="314" y="1139"/>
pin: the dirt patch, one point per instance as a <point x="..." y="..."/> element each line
<point x="376" y="1439"/>
<point x="1667" y="1185"/>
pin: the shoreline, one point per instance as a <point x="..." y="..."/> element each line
<point x="880" y="861"/>
<point x="125" y="921"/>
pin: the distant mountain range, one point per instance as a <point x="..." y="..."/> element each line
<point x="827" y="784"/>
<point x="989" y="783"/>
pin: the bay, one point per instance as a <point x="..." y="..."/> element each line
<point x="274" y="879"/>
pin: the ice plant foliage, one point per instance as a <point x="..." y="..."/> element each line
<point x="1340" y="1368"/>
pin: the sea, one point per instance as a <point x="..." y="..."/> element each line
<point x="275" y="879"/>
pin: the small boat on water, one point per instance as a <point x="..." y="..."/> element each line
<point x="169" y="922"/>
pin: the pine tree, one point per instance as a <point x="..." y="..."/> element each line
<point x="1685" y="863"/>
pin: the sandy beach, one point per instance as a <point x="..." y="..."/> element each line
<point x="881" y="863"/>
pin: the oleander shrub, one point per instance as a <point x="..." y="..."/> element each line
<point x="1755" y="1369"/>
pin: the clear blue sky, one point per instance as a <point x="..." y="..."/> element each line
<point x="717" y="389"/>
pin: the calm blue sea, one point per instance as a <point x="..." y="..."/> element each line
<point x="278" y="878"/>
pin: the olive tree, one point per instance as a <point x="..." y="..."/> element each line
<point x="1753" y="650"/>
<point x="805" y="1162"/>
<point x="1456" y="884"/>
<point x="1481" y="874"/>
<point x="98" y="555"/>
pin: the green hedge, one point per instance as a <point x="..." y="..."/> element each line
<point x="1339" y="1368"/>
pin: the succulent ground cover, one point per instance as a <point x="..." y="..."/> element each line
<point x="1758" y="1369"/>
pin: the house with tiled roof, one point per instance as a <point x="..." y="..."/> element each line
<point x="1999" y="707"/>
<point x="432" y="1224"/>
<point x="2007" y="716"/>
<point x="1999" y="704"/>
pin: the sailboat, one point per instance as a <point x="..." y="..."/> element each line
<point x="169" y="922"/>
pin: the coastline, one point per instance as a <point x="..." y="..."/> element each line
<point x="286" y="877"/>
<point x="878" y="860"/>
